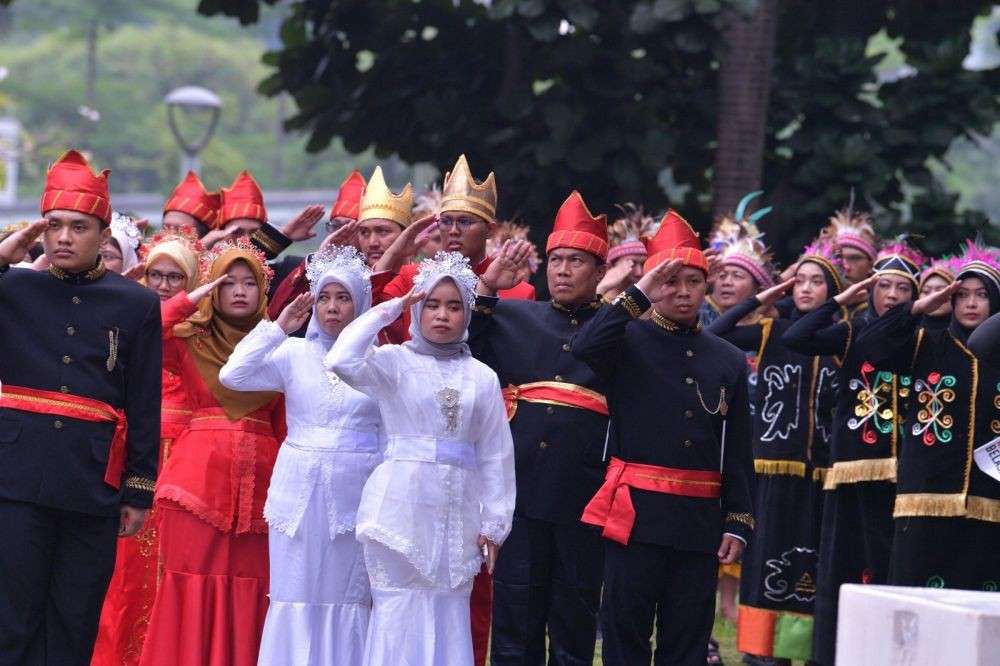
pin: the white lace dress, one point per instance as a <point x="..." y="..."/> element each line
<point x="447" y="477"/>
<point x="320" y="600"/>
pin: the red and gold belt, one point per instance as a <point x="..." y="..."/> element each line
<point x="554" y="393"/>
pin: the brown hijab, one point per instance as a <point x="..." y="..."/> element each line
<point x="211" y="335"/>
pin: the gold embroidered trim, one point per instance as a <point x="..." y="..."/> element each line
<point x="765" y="334"/>
<point x="983" y="508"/>
<point x="820" y="474"/>
<point x="779" y="467"/>
<point x="856" y="471"/>
<point x="91" y="275"/>
<point x="140" y="483"/>
<point x="626" y="301"/>
<point x="929" y="504"/>
<point x="266" y="241"/>
<point x="745" y="518"/>
<point x="483" y="309"/>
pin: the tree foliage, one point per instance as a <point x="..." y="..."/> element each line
<point x="617" y="99"/>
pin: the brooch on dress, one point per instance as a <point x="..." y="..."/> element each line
<point x="447" y="398"/>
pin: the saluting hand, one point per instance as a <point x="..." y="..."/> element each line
<point x="503" y="270"/>
<point x="412" y="297"/>
<point x="204" y="290"/>
<point x="16" y="246"/>
<point x="301" y="226"/>
<point x="772" y="295"/>
<point x="653" y="281"/>
<point x="857" y="292"/>
<point x="405" y="245"/>
<point x="295" y="313"/>
<point x="932" y="302"/>
<point x="136" y="271"/>
<point x="217" y="235"/>
<point x="343" y="236"/>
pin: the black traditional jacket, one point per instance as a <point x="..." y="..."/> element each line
<point x="94" y="335"/>
<point x="678" y="399"/>
<point x="795" y="395"/>
<point x="870" y="401"/>
<point x="954" y="407"/>
<point x="558" y="450"/>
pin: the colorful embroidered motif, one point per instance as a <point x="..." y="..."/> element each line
<point x="873" y="407"/>
<point x="933" y="394"/>
<point x="777" y="380"/>
<point x="793" y="576"/>
<point x="990" y="586"/>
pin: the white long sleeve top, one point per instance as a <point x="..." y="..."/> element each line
<point x="444" y="481"/>
<point x="334" y="437"/>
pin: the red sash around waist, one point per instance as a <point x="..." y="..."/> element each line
<point x="71" y="406"/>
<point x="214" y="418"/>
<point x="554" y="393"/>
<point x="611" y="508"/>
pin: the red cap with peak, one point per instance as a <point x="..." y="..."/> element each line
<point x="243" y="199"/>
<point x="71" y="184"/>
<point x="192" y="198"/>
<point x="675" y="239"/>
<point x="576" y="227"/>
<point x="348" y="201"/>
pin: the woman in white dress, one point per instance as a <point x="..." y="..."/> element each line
<point x="319" y="597"/>
<point x="443" y="499"/>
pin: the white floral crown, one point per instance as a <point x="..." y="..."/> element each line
<point x="340" y="258"/>
<point x="127" y="227"/>
<point x="450" y="264"/>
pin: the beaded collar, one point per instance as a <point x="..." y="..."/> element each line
<point x="86" y="277"/>
<point x="672" y="326"/>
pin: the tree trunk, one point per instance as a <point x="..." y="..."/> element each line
<point x="90" y="76"/>
<point x="744" y="90"/>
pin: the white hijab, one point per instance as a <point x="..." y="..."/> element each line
<point x="444" y="266"/>
<point x="343" y="266"/>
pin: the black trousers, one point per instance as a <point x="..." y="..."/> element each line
<point x="643" y="581"/>
<point x="546" y="576"/>
<point x="54" y="571"/>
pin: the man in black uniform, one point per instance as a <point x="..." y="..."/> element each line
<point x="79" y="421"/>
<point x="548" y="574"/>
<point x="678" y="481"/>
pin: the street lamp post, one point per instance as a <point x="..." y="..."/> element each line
<point x="188" y="101"/>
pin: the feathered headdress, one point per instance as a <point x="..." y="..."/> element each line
<point x="982" y="261"/>
<point x="450" y="264"/>
<point x="510" y="230"/>
<point x="946" y="268"/>
<point x="740" y="243"/>
<point x="241" y="244"/>
<point x="625" y="234"/>
<point x="851" y="228"/>
<point x="825" y="254"/>
<point x="428" y="203"/>
<point x="900" y="258"/>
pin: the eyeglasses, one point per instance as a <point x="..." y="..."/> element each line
<point x="110" y="256"/>
<point x="333" y="225"/>
<point x="463" y="224"/>
<point x="173" y="279"/>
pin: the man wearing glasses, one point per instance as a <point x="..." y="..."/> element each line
<point x="466" y="220"/>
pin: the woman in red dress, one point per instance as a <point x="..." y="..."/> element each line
<point x="212" y="598"/>
<point x="171" y="267"/>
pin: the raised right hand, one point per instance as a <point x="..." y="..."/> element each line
<point x="772" y="295"/>
<point x="295" y="313"/>
<point x="343" y="236"/>
<point x="856" y="292"/>
<point x="406" y="245"/>
<point x="413" y="296"/>
<point x="651" y="283"/>
<point x="204" y="290"/>
<point x="503" y="270"/>
<point x="932" y="302"/>
<point x="14" y="248"/>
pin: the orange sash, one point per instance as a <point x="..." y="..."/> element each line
<point x="70" y="406"/>
<point x="554" y="393"/>
<point x="611" y="508"/>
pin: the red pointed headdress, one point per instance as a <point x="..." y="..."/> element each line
<point x="348" y="201"/>
<point x="192" y="198"/>
<point x="675" y="239"/>
<point x="576" y="227"/>
<point x="71" y="184"/>
<point x="243" y="199"/>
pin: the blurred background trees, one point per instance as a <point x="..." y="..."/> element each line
<point x="686" y="103"/>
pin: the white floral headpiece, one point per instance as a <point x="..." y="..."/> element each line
<point x="340" y="258"/>
<point x="450" y="264"/>
<point x="124" y="226"/>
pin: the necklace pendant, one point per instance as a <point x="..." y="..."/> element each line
<point x="447" y="398"/>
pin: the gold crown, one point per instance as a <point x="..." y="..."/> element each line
<point x="462" y="193"/>
<point x="379" y="202"/>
